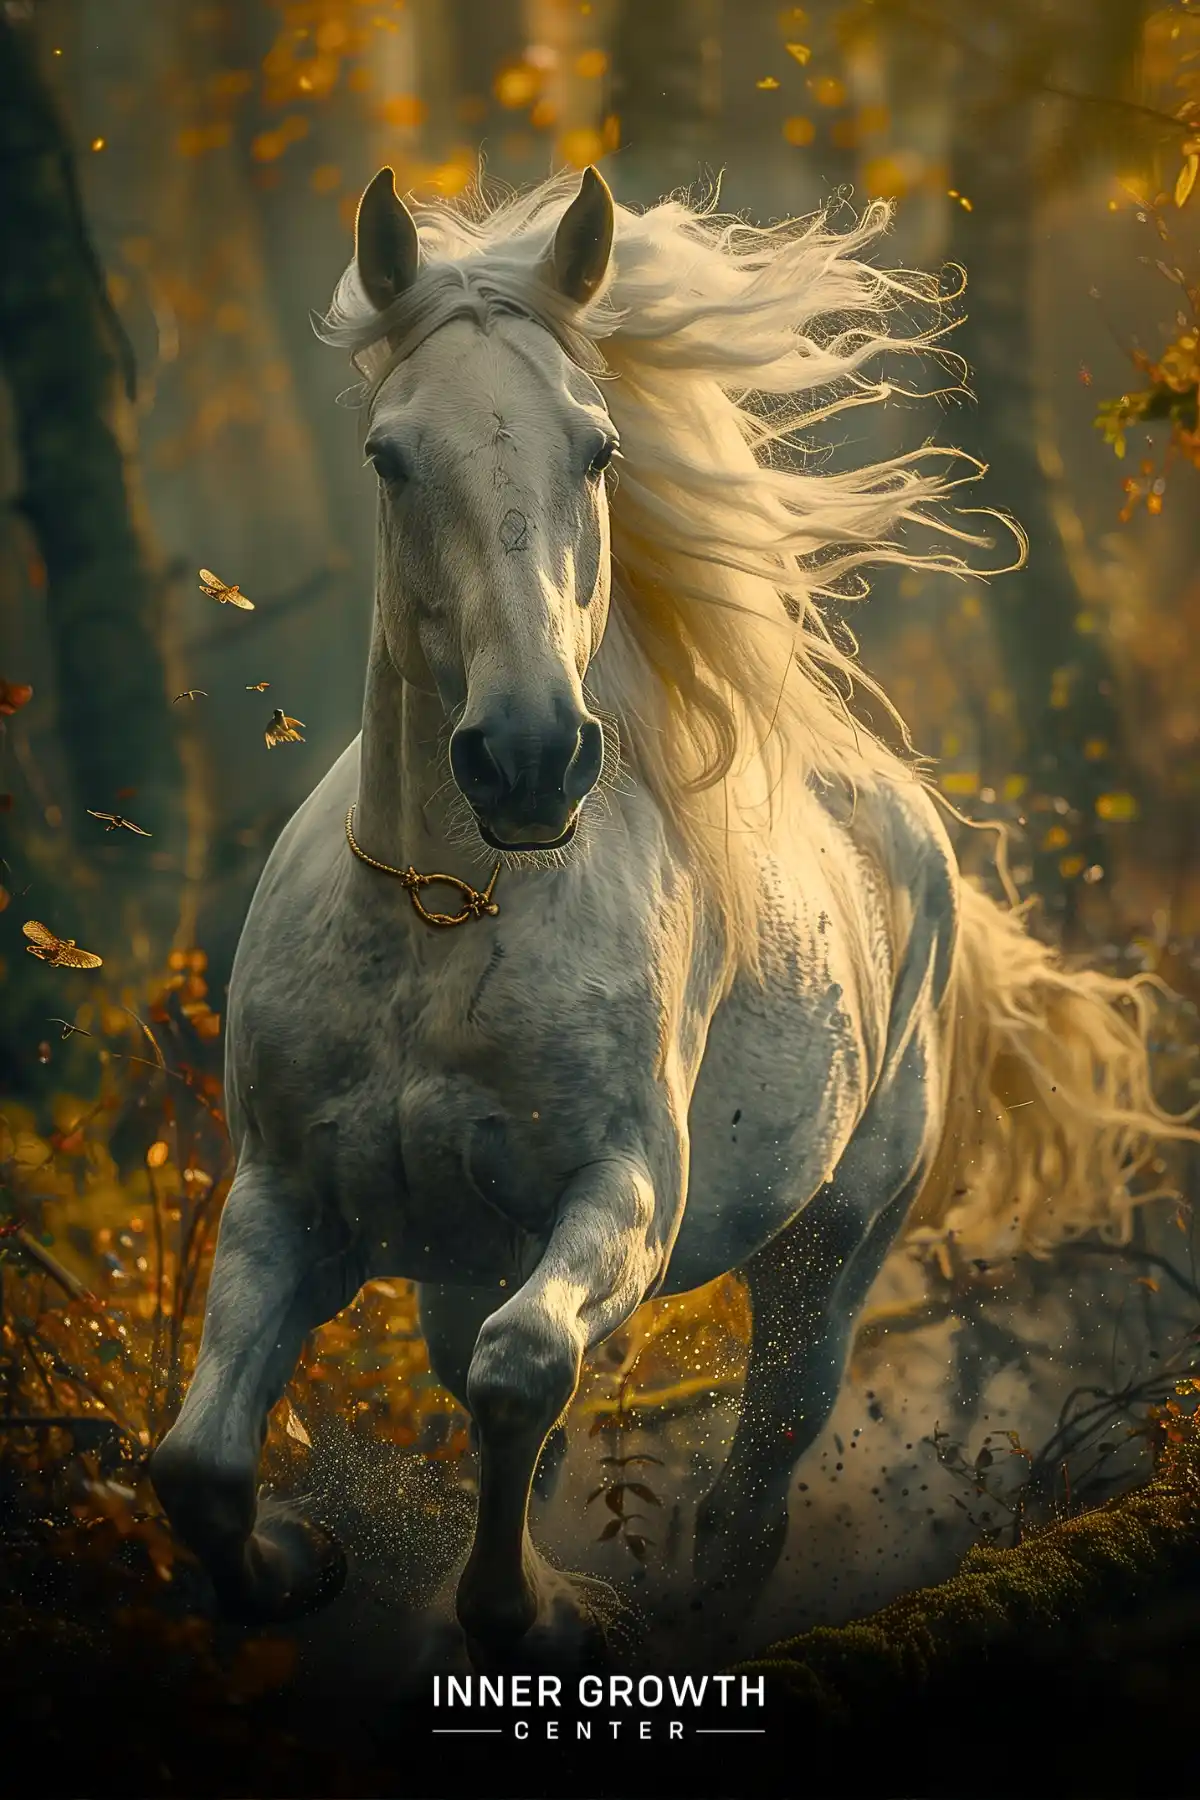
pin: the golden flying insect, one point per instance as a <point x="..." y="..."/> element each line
<point x="216" y="589"/>
<point x="115" y="821"/>
<point x="282" y="730"/>
<point x="60" y="953"/>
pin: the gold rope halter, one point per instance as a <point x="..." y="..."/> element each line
<point x="475" y="904"/>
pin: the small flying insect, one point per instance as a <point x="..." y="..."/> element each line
<point x="191" y="694"/>
<point x="257" y="687"/>
<point x="60" y="953"/>
<point x="221" y="591"/>
<point x="114" y="822"/>
<point x="282" y="730"/>
<point x="69" y="1030"/>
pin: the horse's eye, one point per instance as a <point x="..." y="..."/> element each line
<point x="603" y="457"/>
<point x="388" y="463"/>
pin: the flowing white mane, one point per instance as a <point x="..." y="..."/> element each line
<point x="718" y="344"/>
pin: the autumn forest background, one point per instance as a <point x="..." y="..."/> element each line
<point x="178" y="181"/>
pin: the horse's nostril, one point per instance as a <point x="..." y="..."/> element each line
<point x="587" y="762"/>
<point x="474" y="767"/>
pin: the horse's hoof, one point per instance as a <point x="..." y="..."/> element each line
<point x="580" y="1626"/>
<point x="293" y="1568"/>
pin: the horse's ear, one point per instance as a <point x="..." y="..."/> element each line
<point x="577" y="261"/>
<point x="385" y="242"/>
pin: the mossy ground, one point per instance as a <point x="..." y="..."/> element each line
<point x="1065" y="1666"/>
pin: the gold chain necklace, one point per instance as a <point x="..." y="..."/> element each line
<point x="475" y="904"/>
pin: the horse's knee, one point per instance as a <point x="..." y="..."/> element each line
<point x="522" y="1376"/>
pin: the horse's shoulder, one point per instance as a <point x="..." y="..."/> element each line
<point x="923" y="880"/>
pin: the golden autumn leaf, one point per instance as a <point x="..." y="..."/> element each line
<point x="295" y="1429"/>
<point x="1187" y="179"/>
<point x="1116" y="806"/>
<point x="157" y="1155"/>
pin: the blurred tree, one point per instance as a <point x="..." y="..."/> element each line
<point x="69" y="371"/>
<point x="666" y="92"/>
<point x="1037" y="94"/>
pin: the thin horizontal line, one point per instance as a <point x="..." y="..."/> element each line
<point x="467" y="1731"/>
<point x="731" y="1731"/>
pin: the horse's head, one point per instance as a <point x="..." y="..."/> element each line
<point x="490" y="446"/>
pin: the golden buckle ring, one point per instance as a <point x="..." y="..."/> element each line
<point x="476" y="904"/>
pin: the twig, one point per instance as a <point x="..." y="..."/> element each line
<point x="1135" y="1253"/>
<point x="1034" y="84"/>
<point x="58" y="1422"/>
<point x="160" y="1258"/>
<point x="51" y="1266"/>
<point x="67" y="1372"/>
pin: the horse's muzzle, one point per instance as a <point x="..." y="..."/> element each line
<point x="526" y="788"/>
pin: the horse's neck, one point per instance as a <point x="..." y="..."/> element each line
<point x="399" y="766"/>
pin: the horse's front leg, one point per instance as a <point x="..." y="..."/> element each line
<point x="279" y="1271"/>
<point x="607" y="1250"/>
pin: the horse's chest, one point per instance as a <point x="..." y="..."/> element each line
<point x="480" y="1082"/>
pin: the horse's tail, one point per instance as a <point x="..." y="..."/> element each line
<point x="1052" y="1124"/>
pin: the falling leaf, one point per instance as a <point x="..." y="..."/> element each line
<point x="1187" y="179"/>
<point x="801" y="52"/>
<point x="1148" y="1281"/>
<point x="296" y="1430"/>
<point x="768" y="81"/>
<point x="157" y="1155"/>
<point x="13" y="695"/>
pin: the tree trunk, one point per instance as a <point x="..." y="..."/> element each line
<point x="665" y="92"/>
<point x="70" y="376"/>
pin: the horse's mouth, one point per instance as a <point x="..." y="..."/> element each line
<point x="514" y="846"/>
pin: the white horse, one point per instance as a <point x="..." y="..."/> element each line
<point x="718" y="997"/>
